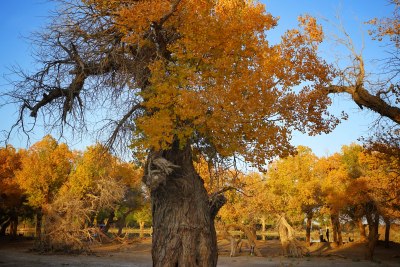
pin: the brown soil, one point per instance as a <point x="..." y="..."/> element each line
<point x="137" y="253"/>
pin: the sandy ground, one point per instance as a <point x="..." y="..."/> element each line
<point x="137" y="254"/>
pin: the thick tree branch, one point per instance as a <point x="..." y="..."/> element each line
<point x="353" y="80"/>
<point x="364" y="98"/>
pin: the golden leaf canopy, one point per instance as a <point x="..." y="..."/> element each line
<point x="216" y="77"/>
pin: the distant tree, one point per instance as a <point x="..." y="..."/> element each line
<point x="95" y="167"/>
<point x="97" y="184"/>
<point x="245" y="200"/>
<point x="143" y="216"/>
<point x="295" y="183"/>
<point x="362" y="185"/>
<point x="46" y="165"/>
<point x="11" y="195"/>
<point x="334" y="184"/>
<point x="130" y="176"/>
<point x="382" y="177"/>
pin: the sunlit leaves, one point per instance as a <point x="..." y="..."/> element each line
<point x="388" y="27"/>
<point x="45" y="167"/>
<point x="294" y="184"/>
<point x="10" y="193"/>
<point x="214" y="75"/>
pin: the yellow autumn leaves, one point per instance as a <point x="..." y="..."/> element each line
<point x="214" y="75"/>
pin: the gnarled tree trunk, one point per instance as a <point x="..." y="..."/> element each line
<point x="183" y="217"/>
<point x="236" y="244"/>
<point x="290" y="245"/>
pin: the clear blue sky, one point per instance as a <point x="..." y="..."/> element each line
<point x="20" y="17"/>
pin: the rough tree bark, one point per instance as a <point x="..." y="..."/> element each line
<point x="89" y="64"/>
<point x="183" y="216"/>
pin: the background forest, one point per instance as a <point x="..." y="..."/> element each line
<point x="73" y="198"/>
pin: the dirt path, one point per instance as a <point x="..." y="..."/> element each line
<point x="137" y="254"/>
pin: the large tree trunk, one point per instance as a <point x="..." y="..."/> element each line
<point x="183" y="217"/>
<point x="308" y="227"/>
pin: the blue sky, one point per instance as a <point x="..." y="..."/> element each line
<point x="19" y="18"/>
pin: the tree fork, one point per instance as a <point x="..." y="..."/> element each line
<point x="363" y="98"/>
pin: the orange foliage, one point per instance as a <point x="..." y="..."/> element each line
<point x="216" y="76"/>
<point x="45" y="167"/>
<point x="388" y="27"/>
<point x="381" y="182"/>
<point x="97" y="163"/>
<point x="10" y="163"/>
<point x="293" y="185"/>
